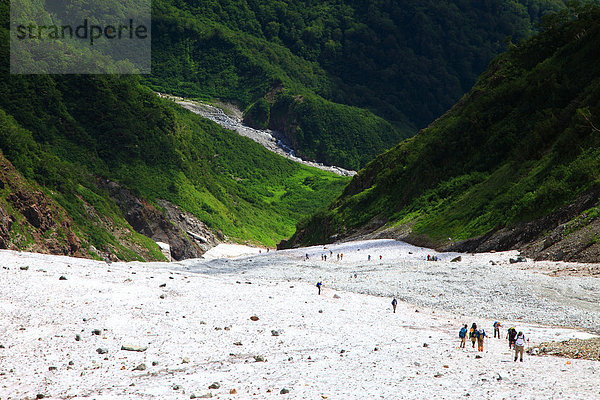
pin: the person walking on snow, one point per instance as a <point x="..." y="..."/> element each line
<point x="511" y="334"/>
<point x="319" y="284"/>
<point x="520" y="346"/>
<point x="497" y="326"/>
<point x="463" y="336"/>
<point x="480" y="336"/>
<point x="394" y="304"/>
<point x="473" y="334"/>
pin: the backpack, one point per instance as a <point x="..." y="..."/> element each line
<point x="481" y="334"/>
<point x="462" y="333"/>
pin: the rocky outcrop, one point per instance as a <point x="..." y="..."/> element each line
<point x="187" y="236"/>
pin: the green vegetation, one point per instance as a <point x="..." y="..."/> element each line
<point x="406" y="62"/>
<point x="65" y="132"/>
<point x="522" y="143"/>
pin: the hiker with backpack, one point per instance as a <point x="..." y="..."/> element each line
<point x="511" y="334"/>
<point x="520" y="345"/>
<point x="473" y="334"/>
<point x="319" y="284"/>
<point x="394" y="304"/>
<point x="497" y="326"/>
<point x="480" y="336"/>
<point x="463" y="336"/>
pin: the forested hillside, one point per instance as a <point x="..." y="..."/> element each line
<point x="521" y="146"/>
<point x="67" y="137"/>
<point x="302" y="63"/>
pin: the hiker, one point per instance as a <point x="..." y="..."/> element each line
<point x="520" y="345"/>
<point x="319" y="284"/>
<point x="380" y="256"/>
<point x="480" y="336"/>
<point x="394" y="304"/>
<point x="497" y="326"/>
<point x="369" y="258"/>
<point x="338" y="257"/>
<point x="325" y="257"/>
<point x="463" y="336"/>
<point x="511" y="334"/>
<point x="428" y="257"/>
<point x="473" y="334"/>
<point x="306" y="256"/>
<point x="341" y="256"/>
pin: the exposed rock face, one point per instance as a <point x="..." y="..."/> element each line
<point x="186" y="235"/>
<point x="43" y="225"/>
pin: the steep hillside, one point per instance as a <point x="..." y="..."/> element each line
<point x="516" y="158"/>
<point x="298" y="66"/>
<point x="105" y="156"/>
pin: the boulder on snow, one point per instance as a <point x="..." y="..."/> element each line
<point x="134" y="348"/>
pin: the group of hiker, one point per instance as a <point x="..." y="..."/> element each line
<point x="516" y="340"/>
<point x="432" y="258"/>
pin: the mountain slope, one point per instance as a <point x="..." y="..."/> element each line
<point x="520" y="146"/>
<point x="108" y="152"/>
<point x="299" y="65"/>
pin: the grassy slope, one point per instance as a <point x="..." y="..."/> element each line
<point x="515" y="148"/>
<point x="63" y="132"/>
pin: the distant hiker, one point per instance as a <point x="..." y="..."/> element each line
<point x="321" y="257"/>
<point x="341" y="256"/>
<point x="369" y="258"/>
<point x="330" y="253"/>
<point x="497" y="326"/>
<point x="259" y="251"/>
<point x="380" y="256"/>
<point x="319" y="284"/>
<point x="428" y="257"/>
<point x="511" y="334"/>
<point x="463" y="336"/>
<point x="480" y="336"/>
<point x="306" y="256"/>
<point x="394" y="304"/>
<point x="355" y="275"/>
<point x="473" y="334"/>
<point x="519" y="346"/>
<point x="325" y="257"/>
<point x="338" y="256"/>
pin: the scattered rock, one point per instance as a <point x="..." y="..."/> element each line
<point x="40" y="396"/>
<point x="342" y="351"/>
<point x="438" y="375"/>
<point x="320" y="311"/>
<point x="177" y="387"/>
<point x="284" y="391"/>
<point x="154" y="363"/>
<point x="162" y="296"/>
<point x="238" y="343"/>
<point x="275" y="333"/>
<point x="203" y="396"/>
<point x="101" y="350"/>
<point x="62" y="278"/>
<point x="227" y="328"/>
<point x="96" y="332"/>
<point x="456" y="259"/>
<point x="52" y="368"/>
<point x="78" y="337"/>
<point x="185" y="360"/>
<point x="233" y="391"/>
<point x="71" y="363"/>
<point x="335" y="296"/>
<point x="499" y="377"/>
<point x="259" y="359"/>
<point x="478" y="356"/>
<point x="214" y="385"/>
<point x="134" y="348"/>
<point x="376" y="349"/>
<point x="254" y="318"/>
<point x="425" y="345"/>
<point x="24" y="268"/>
<point x="162" y="285"/>
<point x="141" y="367"/>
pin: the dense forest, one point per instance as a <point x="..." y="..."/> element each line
<point x="407" y="63"/>
<point x="519" y="146"/>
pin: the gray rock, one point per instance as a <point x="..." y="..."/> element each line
<point x="24" y="268"/>
<point x="425" y="345"/>
<point x="478" y="356"/>
<point x="134" y="348"/>
<point x="177" y="387"/>
<point x="40" y="396"/>
<point x="275" y="333"/>
<point x="185" y="360"/>
<point x="162" y="296"/>
<point x="141" y="367"/>
<point x="101" y="350"/>
<point x="214" y="385"/>
<point x="97" y="332"/>
<point x="203" y="396"/>
<point x="78" y="337"/>
<point x="62" y="278"/>
<point x="52" y="368"/>
<point x="71" y="363"/>
<point x="259" y="359"/>
<point x="456" y="259"/>
<point x="284" y="391"/>
<point x="154" y="363"/>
